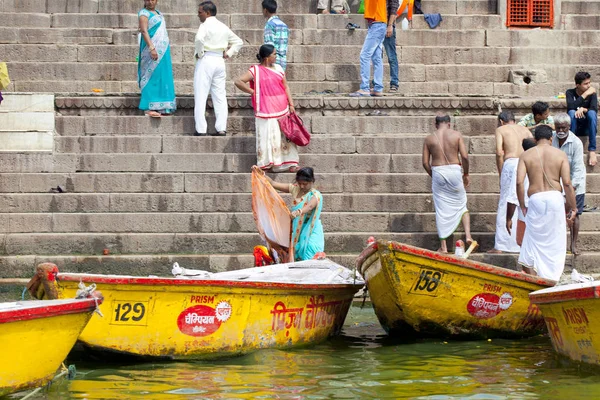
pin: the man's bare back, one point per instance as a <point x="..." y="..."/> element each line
<point x="451" y="141"/>
<point x="509" y="140"/>
<point x="556" y="165"/>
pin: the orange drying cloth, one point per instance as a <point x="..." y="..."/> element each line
<point x="271" y="214"/>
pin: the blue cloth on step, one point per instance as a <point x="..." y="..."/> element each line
<point x="433" y="20"/>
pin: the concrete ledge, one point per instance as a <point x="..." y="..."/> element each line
<point x="26" y="141"/>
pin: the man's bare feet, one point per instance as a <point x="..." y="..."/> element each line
<point x="153" y="114"/>
<point x="322" y="11"/>
<point x="495" y="251"/>
<point x="593" y="160"/>
<point x="442" y="251"/>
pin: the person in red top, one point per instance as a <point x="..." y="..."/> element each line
<point x="379" y="25"/>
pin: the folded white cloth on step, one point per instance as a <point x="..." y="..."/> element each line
<point x="449" y="198"/>
<point x="544" y="245"/>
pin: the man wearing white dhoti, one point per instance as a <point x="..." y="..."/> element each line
<point x="214" y="43"/>
<point x="509" y="139"/>
<point x="544" y="246"/>
<point x="440" y="159"/>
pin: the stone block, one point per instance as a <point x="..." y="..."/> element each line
<point x="323" y="54"/>
<point x="581" y="22"/>
<point x="351" y="72"/>
<point x="455" y="55"/>
<point x="75" y="6"/>
<point x="118" y="53"/>
<point x="74" y="72"/>
<point x="453" y="22"/>
<point x="527" y="76"/>
<point x="23" y="6"/>
<point x="9" y="35"/>
<point x="580" y="7"/>
<point x="39" y="53"/>
<point x="138" y="125"/>
<point x="471" y="89"/>
<point x="26" y="102"/>
<point x="36" y="162"/>
<point x="535" y="91"/>
<point x="26" y="141"/>
<point x="466" y="73"/>
<point x="22" y="20"/>
<point x="467" y="7"/>
<point x="298" y="21"/>
<point x="104" y="144"/>
<point x="27" y="121"/>
<point x="26" y="223"/>
<point x="339" y="21"/>
<point x="560" y="55"/>
<point x="68" y="87"/>
<point x="50" y="203"/>
<point x="428" y="37"/>
<point x="176" y="36"/>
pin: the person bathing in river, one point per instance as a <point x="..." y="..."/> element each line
<point x="448" y="180"/>
<point x="308" y="239"/>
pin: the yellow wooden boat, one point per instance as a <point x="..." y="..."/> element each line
<point x="36" y="337"/>
<point x="572" y="315"/>
<point x="417" y="292"/>
<point x="201" y="315"/>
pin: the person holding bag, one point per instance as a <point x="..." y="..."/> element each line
<point x="271" y="99"/>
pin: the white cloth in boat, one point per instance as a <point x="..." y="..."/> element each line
<point x="544" y="245"/>
<point x="449" y="198"/>
<point x="508" y="194"/>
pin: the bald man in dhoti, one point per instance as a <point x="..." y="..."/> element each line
<point x="544" y="247"/>
<point x="509" y="139"/>
<point x="448" y="180"/>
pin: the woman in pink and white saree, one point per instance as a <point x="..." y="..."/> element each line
<point x="271" y="100"/>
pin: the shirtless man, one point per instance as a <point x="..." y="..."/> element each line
<point x="509" y="139"/>
<point x="544" y="246"/>
<point x="448" y="181"/>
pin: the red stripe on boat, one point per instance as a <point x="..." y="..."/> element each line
<point x="41" y="311"/>
<point x="592" y="292"/>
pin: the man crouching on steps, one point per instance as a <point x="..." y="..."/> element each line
<point x="448" y="182"/>
<point x="544" y="247"/>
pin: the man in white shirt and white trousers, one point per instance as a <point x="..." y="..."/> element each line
<point x="214" y="43"/>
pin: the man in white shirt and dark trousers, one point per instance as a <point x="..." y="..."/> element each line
<point x="214" y="43"/>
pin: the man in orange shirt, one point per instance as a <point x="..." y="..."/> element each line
<point x="379" y="25"/>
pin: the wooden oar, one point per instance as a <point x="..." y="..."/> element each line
<point x="471" y="249"/>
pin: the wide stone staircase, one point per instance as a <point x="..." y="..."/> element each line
<point x="120" y="192"/>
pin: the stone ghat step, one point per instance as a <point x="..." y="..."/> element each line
<point x="230" y="203"/>
<point x="254" y="37"/>
<point x="210" y="243"/>
<point x="392" y="144"/>
<point x="223" y="6"/>
<point x="235" y="21"/>
<point x="213" y="183"/>
<point x="581" y="22"/>
<point x="462" y="87"/>
<point x="330" y="144"/>
<point x="317" y="124"/>
<point x="161" y="264"/>
<point x="309" y="54"/>
<point x="580" y="7"/>
<point x="227" y="162"/>
<point x="338" y="37"/>
<point x="193" y="222"/>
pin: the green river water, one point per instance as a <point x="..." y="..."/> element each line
<point x="360" y="364"/>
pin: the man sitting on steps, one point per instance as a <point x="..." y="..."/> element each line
<point x="540" y="115"/>
<point x="582" y="107"/>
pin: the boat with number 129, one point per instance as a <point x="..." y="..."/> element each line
<point x="214" y="315"/>
<point x="421" y="293"/>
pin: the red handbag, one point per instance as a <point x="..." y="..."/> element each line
<point x="293" y="128"/>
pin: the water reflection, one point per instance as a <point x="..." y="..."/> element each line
<point x="361" y="364"/>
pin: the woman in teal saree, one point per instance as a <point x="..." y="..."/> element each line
<point x="308" y="239"/>
<point x="155" y="72"/>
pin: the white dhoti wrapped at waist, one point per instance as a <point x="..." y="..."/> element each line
<point x="508" y="194"/>
<point x="449" y="198"/>
<point x="544" y="245"/>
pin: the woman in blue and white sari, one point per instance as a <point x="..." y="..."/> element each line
<point x="155" y="72"/>
<point x="308" y="239"/>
